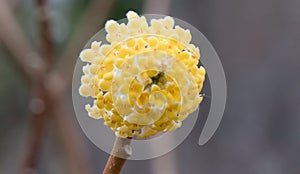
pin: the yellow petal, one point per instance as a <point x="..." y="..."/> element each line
<point x="168" y="22"/>
<point x="105" y="85"/>
<point x="105" y="49"/>
<point x="152" y="42"/>
<point x="142" y="99"/>
<point x="119" y="63"/>
<point x="86" y="79"/>
<point x="142" y="43"/>
<point x="111" y="26"/>
<point x="123" y="107"/>
<point x="85" y="90"/>
<point x="175" y="92"/>
<point x="155" y="88"/>
<point x="130" y="43"/>
<point x="131" y="14"/>
<point x="87" y="55"/>
<point x="108" y="76"/>
<point x="156" y="24"/>
<point x="116" y="117"/>
<point x="184" y="55"/>
<point x="157" y="98"/>
<point x="100" y="104"/>
<point x="95" y="45"/>
<point x="134" y="24"/>
<point x="94" y="69"/>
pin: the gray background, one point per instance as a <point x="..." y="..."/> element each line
<point x="257" y="42"/>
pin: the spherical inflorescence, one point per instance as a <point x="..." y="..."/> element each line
<point x="146" y="80"/>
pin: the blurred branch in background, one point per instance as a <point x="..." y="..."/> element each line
<point x="47" y="88"/>
<point x="46" y="43"/>
<point x="12" y="37"/>
<point x="157" y="7"/>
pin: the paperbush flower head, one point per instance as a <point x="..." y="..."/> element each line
<point x="146" y="80"/>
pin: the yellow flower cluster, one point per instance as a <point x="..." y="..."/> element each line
<point x="146" y="80"/>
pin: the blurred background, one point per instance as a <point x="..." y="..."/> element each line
<point x="257" y="42"/>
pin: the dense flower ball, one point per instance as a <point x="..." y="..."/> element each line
<point x="146" y="80"/>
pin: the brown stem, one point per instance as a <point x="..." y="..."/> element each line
<point x="120" y="152"/>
